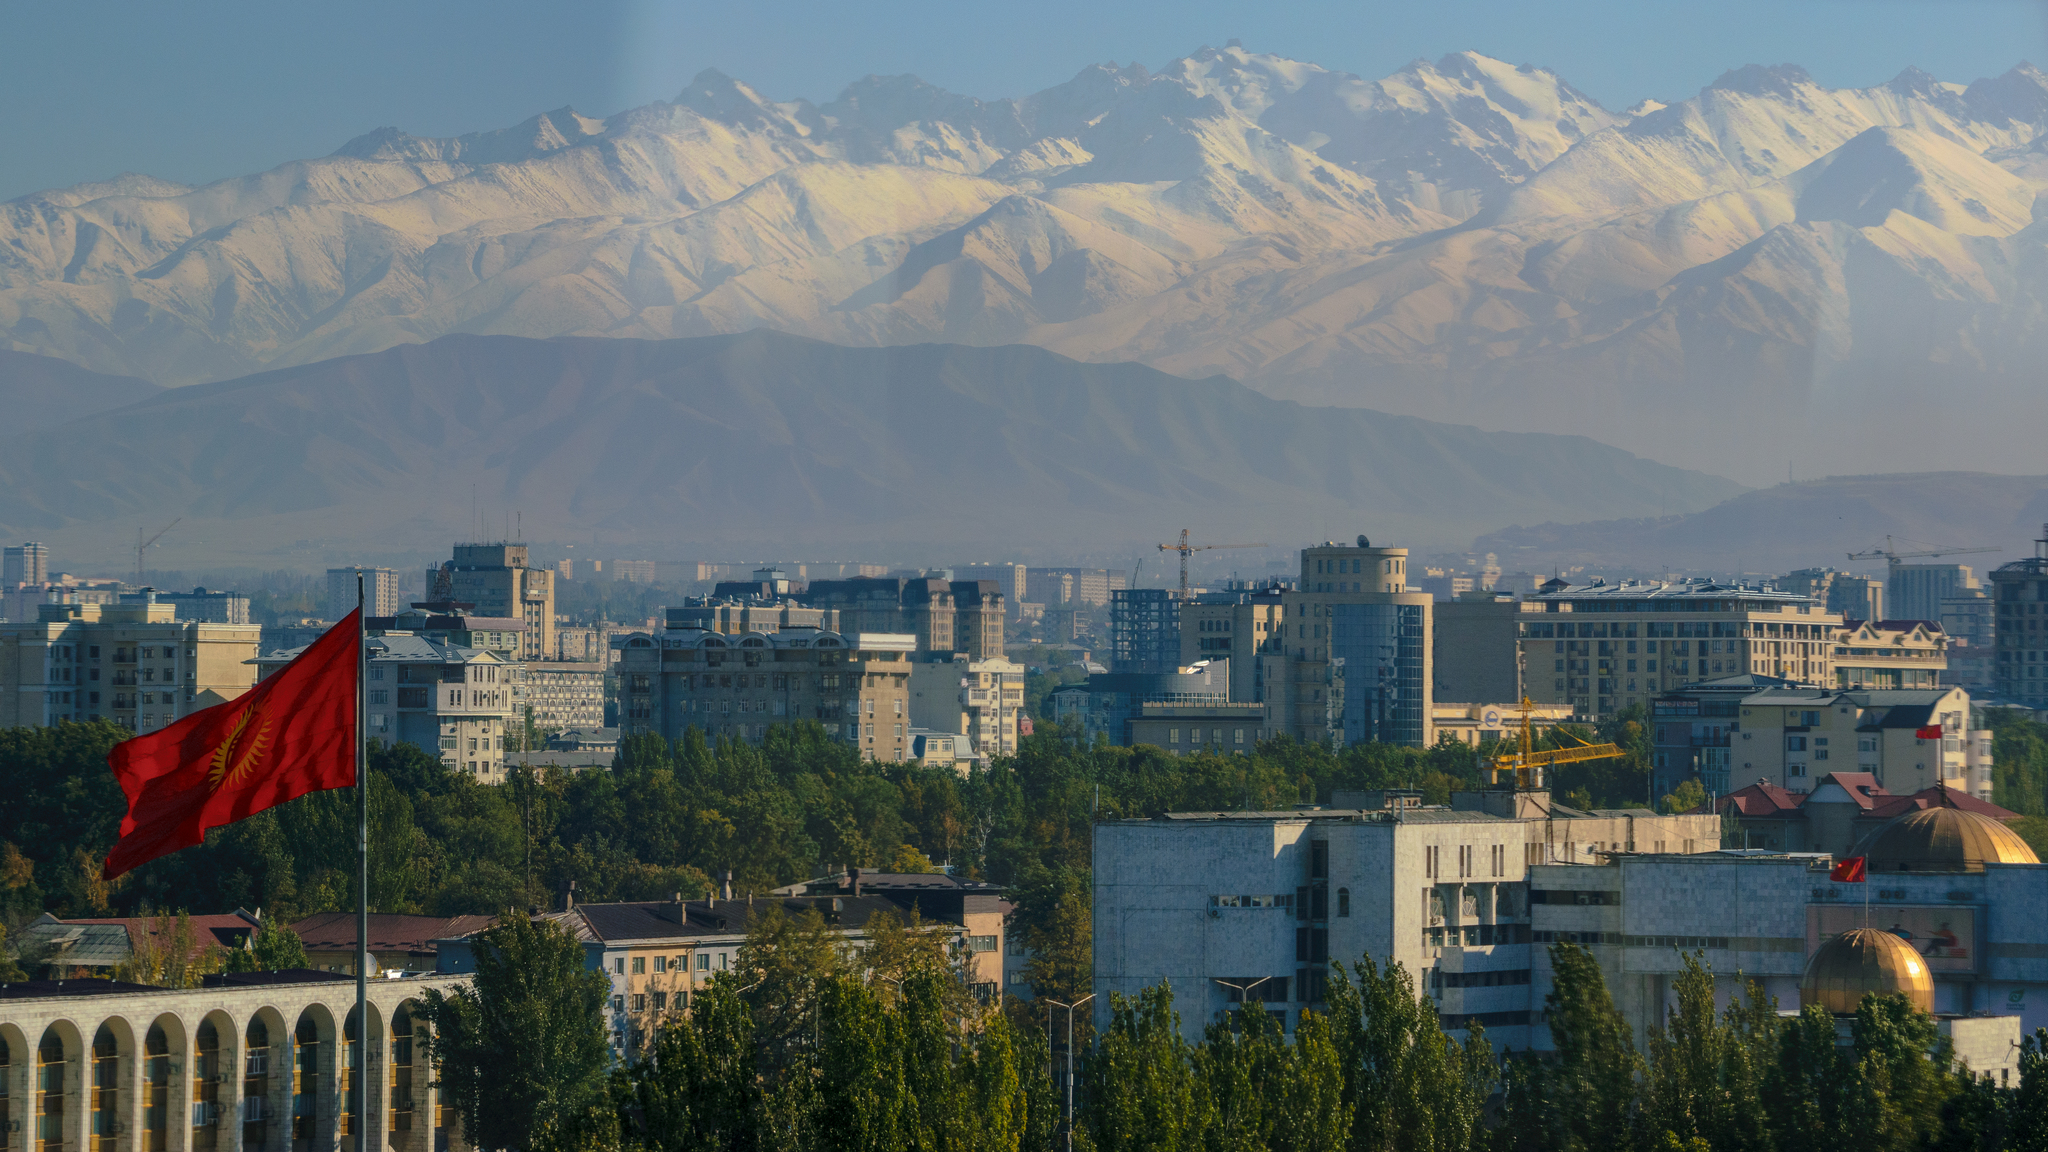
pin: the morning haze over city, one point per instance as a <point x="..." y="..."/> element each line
<point x="661" y="576"/>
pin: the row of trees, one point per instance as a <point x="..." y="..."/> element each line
<point x="807" y="1046"/>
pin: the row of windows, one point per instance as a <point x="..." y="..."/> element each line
<point x="1475" y="936"/>
<point x="1496" y="860"/>
<point x="1507" y="978"/>
<point x="680" y="963"/>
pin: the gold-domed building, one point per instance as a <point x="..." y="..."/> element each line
<point x="1943" y="839"/>
<point x="1863" y="962"/>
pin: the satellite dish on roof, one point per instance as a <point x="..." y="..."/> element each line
<point x="1363" y="542"/>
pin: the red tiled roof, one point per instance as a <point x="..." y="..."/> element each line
<point x="389" y="931"/>
<point x="1940" y="796"/>
<point x="1862" y="787"/>
<point x="1759" y="799"/>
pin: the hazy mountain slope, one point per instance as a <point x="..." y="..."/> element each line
<point x="1801" y="525"/>
<point x="771" y="437"/>
<point x="38" y="393"/>
<point x="1466" y="240"/>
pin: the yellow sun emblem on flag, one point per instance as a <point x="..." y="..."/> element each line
<point x="239" y="754"/>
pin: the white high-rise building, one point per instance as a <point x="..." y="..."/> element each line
<point x="380" y="592"/>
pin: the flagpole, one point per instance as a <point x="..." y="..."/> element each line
<point x="357" y="1083"/>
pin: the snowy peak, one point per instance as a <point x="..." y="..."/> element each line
<point x="536" y="136"/>
<point x="1886" y="170"/>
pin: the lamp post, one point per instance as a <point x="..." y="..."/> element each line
<point x="1070" y="1059"/>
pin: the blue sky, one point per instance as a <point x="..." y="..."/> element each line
<point x="197" y="91"/>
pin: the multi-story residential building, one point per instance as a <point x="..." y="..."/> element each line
<point x="1915" y="591"/>
<point x="943" y="615"/>
<point x="449" y="701"/>
<point x="857" y="685"/>
<point x="1788" y="736"/>
<point x="1054" y="587"/>
<point x="1244" y="624"/>
<point x="1182" y="728"/>
<point x="1010" y="579"/>
<point x="1853" y="597"/>
<point x="1234" y="907"/>
<point x="380" y="591"/>
<point x="1604" y="647"/>
<point x="564" y="695"/>
<point x="1890" y="654"/>
<point x="1109" y="703"/>
<point x="496" y="579"/>
<point x="731" y="616"/>
<point x="1144" y="631"/>
<point x="2022" y="643"/>
<point x="978" y="699"/>
<point x="197" y="606"/>
<point x="1476" y="651"/>
<point x="1359" y="645"/>
<point x="632" y="571"/>
<point x="452" y="623"/>
<point x="28" y="564"/>
<point x="134" y="664"/>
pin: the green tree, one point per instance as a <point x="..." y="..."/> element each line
<point x="1409" y="1085"/>
<point x="532" y="995"/>
<point x="694" y="1090"/>
<point x="1689" y="795"/>
<point x="2029" y="1110"/>
<point x="1310" y="1113"/>
<point x="1054" y="920"/>
<point x="1593" y="1082"/>
<point x="275" y="948"/>
<point x="1142" y="1091"/>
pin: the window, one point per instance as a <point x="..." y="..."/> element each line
<point x="661" y="963"/>
<point x="1240" y="735"/>
<point x="618" y="1003"/>
<point x="1173" y="735"/>
<point x="660" y="1001"/>
<point x="1795" y="743"/>
<point x="639" y="965"/>
<point x="639" y="1002"/>
<point x="1343" y="902"/>
<point x="1319" y="859"/>
<point x="619" y="965"/>
<point x="981" y="944"/>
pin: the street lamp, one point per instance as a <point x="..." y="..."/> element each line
<point x="1070" y="1057"/>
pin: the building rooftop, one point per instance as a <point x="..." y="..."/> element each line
<point x="1665" y="590"/>
<point x="389" y="931"/>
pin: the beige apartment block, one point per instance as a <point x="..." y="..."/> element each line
<point x="1792" y="737"/>
<point x="944" y="615"/>
<point x="979" y="699"/>
<point x="565" y="694"/>
<point x="857" y="686"/>
<point x="455" y="703"/>
<point x="1604" y="647"/>
<point x="1244" y="626"/>
<point x="496" y="578"/>
<point x="134" y="664"/>
<point x="1890" y="654"/>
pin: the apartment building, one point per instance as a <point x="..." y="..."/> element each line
<point x="1604" y="647"/>
<point x="564" y="695"/>
<point x="1854" y="597"/>
<point x="943" y="615"/>
<point x="1475" y="649"/>
<point x="1915" y="591"/>
<point x="1890" y="654"/>
<point x="28" y="564"/>
<point x="1788" y="736"/>
<point x="856" y="685"/>
<point x="978" y="699"/>
<point x="135" y="664"/>
<point x="449" y="701"/>
<point x="1144" y="630"/>
<point x="1010" y="579"/>
<point x="198" y="606"/>
<point x="2022" y="641"/>
<point x="1108" y="704"/>
<point x="497" y="580"/>
<point x="1235" y="907"/>
<point x="1244" y="624"/>
<point x="380" y="591"/>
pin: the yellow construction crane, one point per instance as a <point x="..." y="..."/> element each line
<point x="1527" y="764"/>
<point x="1894" y="557"/>
<point x="1185" y="548"/>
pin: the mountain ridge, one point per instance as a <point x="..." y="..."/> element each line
<point x="768" y="437"/>
<point x="1465" y="239"/>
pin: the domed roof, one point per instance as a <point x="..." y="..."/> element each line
<point x="1861" y="962"/>
<point x="1943" y="840"/>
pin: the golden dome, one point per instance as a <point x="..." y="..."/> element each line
<point x="1943" y="840"/>
<point x="1861" y="962"/>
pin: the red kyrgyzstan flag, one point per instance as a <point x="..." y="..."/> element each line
<point x="293" y="733"/>
<point x="1931" y="732"/>
<point x="1847" y="871"/>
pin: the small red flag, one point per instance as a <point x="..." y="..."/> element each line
<point x="293" y="733"/>
<point x="1931" y="732"/>
<point x="1847" y="871"/>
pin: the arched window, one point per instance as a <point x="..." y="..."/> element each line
<point x="156" y="1090"/>
<point x="401" y="1069"/>
<point x="305" y="1079"/>
<point x="6" y="1072"/>
<point x="206" y="1088"/>
<point x="106" y="1079"/>
<point x="256" y="1084"/>
<point x="350" y="1080"/>
<point x="1343" y="901"/>
<point x="50" y="1093"/>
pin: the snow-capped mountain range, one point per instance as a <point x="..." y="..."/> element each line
<point x="1849" y="280"/>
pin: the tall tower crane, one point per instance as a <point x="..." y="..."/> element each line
<point x="1185" y="549"/>
<point x="142" y="546"/>
<point x="1527" y="764"/>
<point x="1893" y="557"/>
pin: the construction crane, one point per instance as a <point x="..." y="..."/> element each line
<point x="1185" y="549"/>
<point x="1893" y="557"/>
<point x="142" y="546"/>
<point x="1528" y="764"/>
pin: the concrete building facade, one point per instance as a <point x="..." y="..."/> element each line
<point x="1144" y="630"/>
<point x="1476" y="650"/>
<point x="28" y="564"/>
<point x="497" y="580"/>
<point x="943" y="615"/>
<point x="857" y="685"/>
<point x="1360" y="648"/>
<point x="1604" y="647"/>
<point x="2021" y="591"/>
<point x="1915" y="591"/>
<point x="380" y="591"/>
<point x="979" y="699"/>
<point x="134" y="664"/>
<point x="1890" y="654"/>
